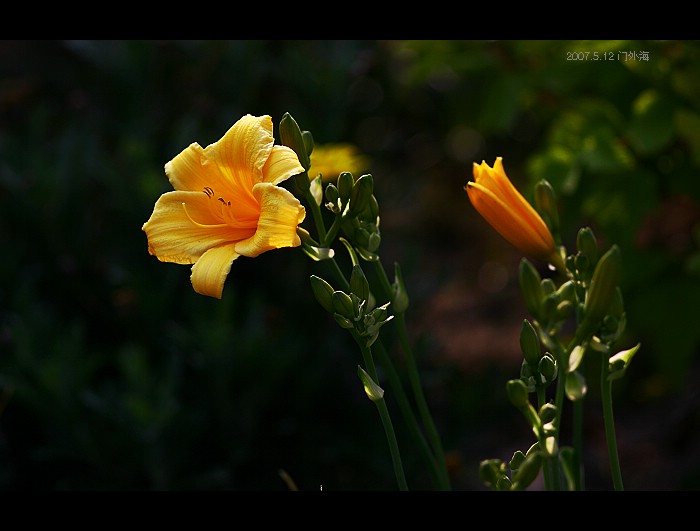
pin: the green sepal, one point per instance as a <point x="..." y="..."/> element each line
<point x="575" y="358"/>
<point x="617" y="365"/>
<point x="575" y="386"/>
<point x="373" y="391"/>
<point x="316" y="189"/>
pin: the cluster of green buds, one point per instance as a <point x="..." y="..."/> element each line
<point x="538" y="369"/>
<point x="353" y="311"/>
<point x="549" y="305"/>
<point x="353" y="201"/>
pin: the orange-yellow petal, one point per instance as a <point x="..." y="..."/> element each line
<point x="185" y="170"/>
<point x="243" y="151"/>
<point x="212" y="268"/>
<point x="182" y="234"/>
<point x="508" y="212"/>
<point x="280" y="214"/>
<point x="282" y="164"/>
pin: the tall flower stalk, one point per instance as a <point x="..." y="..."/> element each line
<point x="586" y="292"/>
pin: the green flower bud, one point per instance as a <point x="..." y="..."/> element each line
<point x="547" y="367"/>
<point x="308" y="139"/>
<point x="548" y="412"/>
<point x="374" y="240"/>
<point x="343" y="321"/>
<point x="517" y="460"/>
<point x="361" y="193"/>
<point x="530" y="343"/>
<point x="603" y="286"/>
<point x="332" y="193"/>
<point x="323" y="292"/>
<point x="567" y="291"/>
<point x="504" y="484"/>
<point x="490" y="472"/>
<point x="528" y="471"/>
<point x="530" y="284"/>
<point x="342" y="304"/>
<point x="290" y="136"/>
<point x="358" y="283"/>
<point x="517" y="393"/>
<point x="587" y="245"/>
<point x="548" y="286"/>
<point x="345" y="183"/>
<point x="546" y="204"/>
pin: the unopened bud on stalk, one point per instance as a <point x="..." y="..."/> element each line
<point x="361" y="193"/>
<point x="358" y="283"/>
<point x="546" y="203"/>
<point x="603" y="286"/>
<point x="528" y="471"/>
<point x="290" y="136"/>
<point x="587" y="245"/>
<point x="531" y="286"/>
<point x="345" y="182"/>
<point x="323" y="292"/>
<point x="517" y="393"/>
<point x="342" y="304"/>
<point x="530" y="343"/>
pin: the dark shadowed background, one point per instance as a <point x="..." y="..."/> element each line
<point x="116" y="375"/>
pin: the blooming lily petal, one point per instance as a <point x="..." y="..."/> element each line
<point x="280" y="214"/>
<point x="181" y="234"/>
<point x="243" y="151"/>
<point x="212" y="268"/>
<point x="282" y="164"/>
<point x="186" y="171"/>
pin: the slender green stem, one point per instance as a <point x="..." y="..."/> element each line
<point x="406" y="410"/>
<point x="317" y="215"/>
<point x="606" y="397"/>
<point x="578" y="445"/>
<point x="416" y="386"/>
<point x="383" y="414"/>
<point x="333" y="231"/>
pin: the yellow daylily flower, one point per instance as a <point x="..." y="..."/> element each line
<point x="226" y="204"/>
<point x="507" y="211"/>
<point x="331" y="159"/>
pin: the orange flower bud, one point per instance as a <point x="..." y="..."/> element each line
<point x="507" y="211"/>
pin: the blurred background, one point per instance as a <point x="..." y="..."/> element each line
<point x="116" y="375"/>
